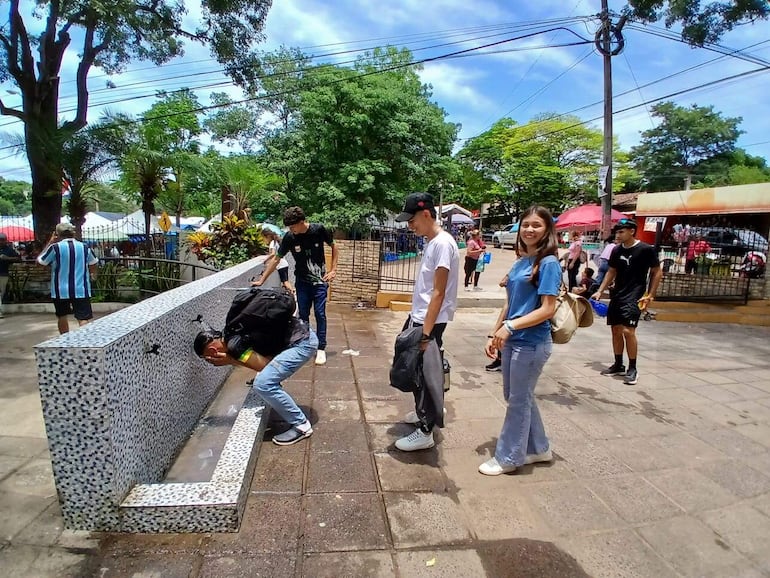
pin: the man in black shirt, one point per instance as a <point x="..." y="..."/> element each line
<point x="276" y="359"/>
<point x="631" y="264"/>
<point x="305" y="241"/>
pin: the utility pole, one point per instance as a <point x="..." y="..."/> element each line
<point x="604" y="39"/>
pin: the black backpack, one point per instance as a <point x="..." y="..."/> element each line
<point x="263" y="316"/>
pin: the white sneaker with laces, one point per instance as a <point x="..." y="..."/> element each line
<point x="412" y="419"/>
<point x="546" y="456"/>
<point x="478" y="289"/>
<point x="417" y="440"/>
<point x="493" y="468"/>
<point x="320" y="357"/>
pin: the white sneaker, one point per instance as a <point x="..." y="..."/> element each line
<point x="546" y="456"/>
<point x="493" y="468"/>
<point x="478" y="289"/>
<point x="417" y="440"/>
<point x="469" y="288"/>
<point x="320" y="357"/>
<point x="412" y="419"/>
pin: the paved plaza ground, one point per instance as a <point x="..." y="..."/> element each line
<point x="670" y="477"/>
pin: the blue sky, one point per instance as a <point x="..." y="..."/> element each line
<point x="521" y="78"/>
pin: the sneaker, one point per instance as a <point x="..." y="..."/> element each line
<point x="493" y="468"/>
<point x="494" y="366"/>
<point x="478" y="289"/>
<point x="293" y="435"/>
<point x="250" y="382"/>
<point x="631" y="377"/>
<point x="320" y="357"/>
<point x="417" y="440"/>
<point x="614" y="369"/>
<point x="469" y="289"/>
<point x="546" y="456"/>
<point x="412" y="419"/>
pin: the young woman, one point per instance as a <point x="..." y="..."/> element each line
<point x="283" y="265"/>
<point x="473" y="252"/>
<point x="523" y="334"/>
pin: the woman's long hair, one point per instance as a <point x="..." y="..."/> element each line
<point x="548" y="245"/>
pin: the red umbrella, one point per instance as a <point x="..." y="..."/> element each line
<point x="585" y="216"/>
<point x="18" y="233"/>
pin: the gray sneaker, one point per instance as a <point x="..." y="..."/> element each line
<point x="292" y="436"/>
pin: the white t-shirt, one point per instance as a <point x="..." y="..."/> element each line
<point x="282" y="264"/>
<point x="441" y="251"/>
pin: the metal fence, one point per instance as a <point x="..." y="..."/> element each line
<point x="396" y="253"/>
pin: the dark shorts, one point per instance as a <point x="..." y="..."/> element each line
<point x="623" y="313"/>
<point x="80" y="307"/>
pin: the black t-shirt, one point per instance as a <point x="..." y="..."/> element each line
<point x="5" y="264"/>
<point x="632" y="266"/>
<point x="308" y="252"/>
<point x="267" y="345"/>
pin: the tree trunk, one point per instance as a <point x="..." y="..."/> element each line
<point x="44" y="154"/>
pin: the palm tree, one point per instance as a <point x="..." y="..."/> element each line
<point x="145" y="169"/>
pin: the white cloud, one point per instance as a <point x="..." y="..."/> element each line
<point x="455" y="84"/>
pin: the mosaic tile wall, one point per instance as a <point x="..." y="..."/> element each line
<point x="121" y="395"/>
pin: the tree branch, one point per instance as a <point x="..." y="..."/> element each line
<point x="4" y="110"/>
<point x="19" y="31"/>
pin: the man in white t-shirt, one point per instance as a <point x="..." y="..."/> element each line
<point x="434" y="302"/>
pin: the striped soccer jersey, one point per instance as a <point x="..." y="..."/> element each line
<point x="69" y="260"/>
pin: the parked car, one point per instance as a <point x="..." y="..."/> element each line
<point x="732" y="242"/>
<point x="507" y="236"/>
<point x="487" y="234"/>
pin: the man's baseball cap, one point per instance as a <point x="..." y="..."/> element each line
<point x="415" y="203"/>
<point x="625" y="224"/>
<point x="62" y="228"/>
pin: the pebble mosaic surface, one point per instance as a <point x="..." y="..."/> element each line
<point x="121" y="395"/>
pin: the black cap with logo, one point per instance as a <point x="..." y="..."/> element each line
<point x="415" y="203"/>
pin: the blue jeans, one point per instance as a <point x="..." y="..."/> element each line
<point x="282" y="366"/>
<point x="523" y="432"/>
<point x="308" y="294"/>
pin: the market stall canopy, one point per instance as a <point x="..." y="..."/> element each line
<point x="15" y="233"/>
<point x="455" y="209"/>
<point x="459" y="219"/>
<point x="585" y="217"/>
<point x="753" y="198"/>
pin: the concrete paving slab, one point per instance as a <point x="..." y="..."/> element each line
<point x="429" y="563"/>
<point x="327" y="436"/>
<point x="337" y="409"/>
<point x="271" y="523"/>
<point x="417" y="472"/>
<point x="344" y="522"/>
<point x="35" y="478"/>
<point x="634" y="499"/>
<point x="690" y="489"/>
<point x="502" y="514"/>
<point x="21" y="561"/>
<point x="730" y="441"/>
<point x="736" y="477"/>
<point x="45" y="530"/>
<point x="375" y="564"/>
<point x="341" y="471"/>
<point x="693" y="548"/>
<point x="18" y="511"/>
<point x="616" y="554"/>
<point x="280" y="468"/>
<point x="264" y="566"/>
<point x="22" y="447"/>
<point x="569" y="507"/>
<point x="745" y="529"/>
<point x="418" y="519"/>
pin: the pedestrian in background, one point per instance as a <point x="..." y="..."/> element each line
<point x="8" y="255"/>
<point x="474" y="251"/>
<point x="634" y="274"/>
<point x="305" y="242"/>
<point x="283" y="265"/>
<point x="523" y="333"/>
<point x="72" y="264"/>
<point x="573" y="259"/>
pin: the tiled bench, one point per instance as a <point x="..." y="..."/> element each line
<point x="120" y="398"/>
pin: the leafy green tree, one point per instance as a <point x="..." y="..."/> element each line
<point x="701" y="21"/>
<point x="113" y="33"/>
<point x="733" y="168"/>
<point x="108" y="198"/>
<point x="171" y="128"/>
<point x="551" y="160"/>
<point x="669" y="154"/>
<point x="15" y="197"/>
<point x="362" y="140"/>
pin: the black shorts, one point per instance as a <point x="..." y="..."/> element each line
<point x="623" y="313"/>
<point x="80" y="307"/>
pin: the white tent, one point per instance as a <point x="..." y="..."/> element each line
<point x="133" y="224"/>
<point x="454" y="209"/>
<point x="206" y="227"/>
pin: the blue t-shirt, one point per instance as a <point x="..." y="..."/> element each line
<point x="524" y="297"/>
